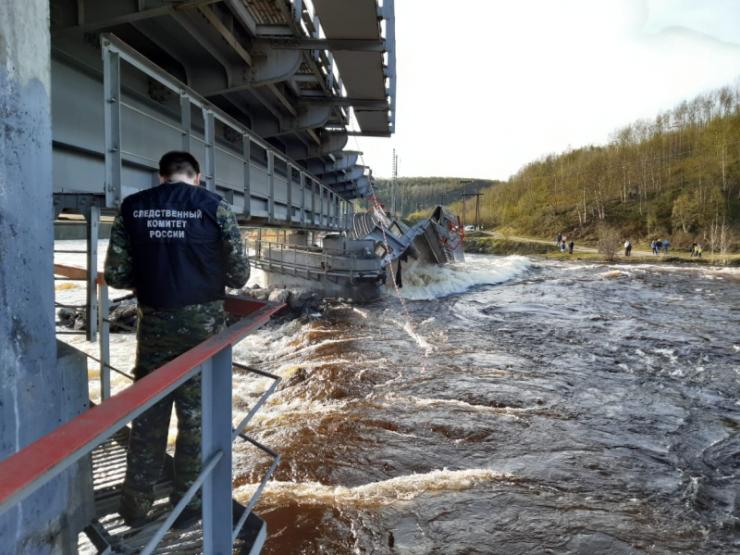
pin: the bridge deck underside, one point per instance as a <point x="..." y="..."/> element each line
<point x="149" y="130"/>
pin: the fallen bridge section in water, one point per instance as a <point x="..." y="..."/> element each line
<point x="356" y="265"/>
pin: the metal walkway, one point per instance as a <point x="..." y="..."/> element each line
<point x="109" y="532"/>
<point x="100" y="434"/>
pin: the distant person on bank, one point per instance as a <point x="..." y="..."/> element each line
<point x="627" y="247"/>
<point x="178" y="246"/>
<point x="570" y="246"/>
<point x="666" y="244"/>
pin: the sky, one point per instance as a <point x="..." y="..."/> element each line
<point x="485" y="86"/>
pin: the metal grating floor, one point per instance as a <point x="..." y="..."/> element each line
<point x="109" y="469"/>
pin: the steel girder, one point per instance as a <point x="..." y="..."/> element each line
<point x="341" y="161"/>
<point x="221" y="50"/>
<point x="355" y="172"/>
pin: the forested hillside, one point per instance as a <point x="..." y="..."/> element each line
<point x="421" y="193"/>
<point x="676" y="176"/>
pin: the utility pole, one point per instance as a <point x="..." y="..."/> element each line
<point x="477" y="207"/>
<point x="394" y="183"/>
<point x="464" y="194"/>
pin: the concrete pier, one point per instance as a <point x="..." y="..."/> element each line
<point x="31" y="387"/>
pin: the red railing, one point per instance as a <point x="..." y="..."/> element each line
<point x="36" y="464"/>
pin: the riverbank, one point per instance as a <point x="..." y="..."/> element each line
<point x="493" y="243"/>
<point x="505" y="247"/>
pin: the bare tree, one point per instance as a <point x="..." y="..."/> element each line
<point x="609" y="242"/>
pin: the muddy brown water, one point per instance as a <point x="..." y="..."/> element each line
<point x="535" y="407"/>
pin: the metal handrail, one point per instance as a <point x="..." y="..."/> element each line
<point x="114" y="51"/>
<point x="153" y="542"/>
<point x="26" y="471"/>
<point x="258" y="492"/>
<point x="75" y="273"/>
<point x="325" y="267"/>
<point x="261" y="401"/>
<point x="310" y="249"/>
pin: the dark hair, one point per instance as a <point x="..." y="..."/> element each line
<point x="177" y="161"/>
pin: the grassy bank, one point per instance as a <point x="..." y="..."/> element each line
<point x="493" y="245"/>
<point x="481" y="243"/>
<point x="705" y="260"/>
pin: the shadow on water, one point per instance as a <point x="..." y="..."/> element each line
<point x="563" y="409"/>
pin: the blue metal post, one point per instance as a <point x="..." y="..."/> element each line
<point x="216" y="391"/>
<point x="104" y="340"/>
<point x="92" y="221"/>
<point x="271" y="185"/>
<point x="209" y="136"/>
<point x="247" y="155"/>
<point x="321" y="205"/>
<point x="185" y="124"/>
<point x="112" y="124"/>
<point x="313" y="202"/>
<point x="289" y="214"/>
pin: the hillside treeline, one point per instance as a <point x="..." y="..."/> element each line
<point x="677" y="176"/>
<point x="421" y="193"/>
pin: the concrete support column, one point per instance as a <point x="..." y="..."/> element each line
<point x="30" y="384"/>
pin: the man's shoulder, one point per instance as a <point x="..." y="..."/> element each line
<point x="197" y="193"/>
<point x="204" y="193"/>
<point x="144" y="196"/>
<point x="136" y="197"/>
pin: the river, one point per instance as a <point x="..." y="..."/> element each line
<point x="507" y="405"/>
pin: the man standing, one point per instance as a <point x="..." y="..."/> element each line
<point x="177" y="246"/>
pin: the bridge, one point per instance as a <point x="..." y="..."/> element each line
<point x="262" y="92"/>
<point x="265" y="93"/>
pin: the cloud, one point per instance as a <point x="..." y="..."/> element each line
<point x="489" y="86"/>
<point x="714" y="19"/>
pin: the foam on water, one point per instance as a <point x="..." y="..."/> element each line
<point x="627" y="270"/>
<point x="376" y="494"/>
<point x="419" y="339"/>
<point x="426" y="282"/>
<point x="452" y="404"/>
<point x="281" y="412"/>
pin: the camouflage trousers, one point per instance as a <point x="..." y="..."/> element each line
<point x="161" y="336"/>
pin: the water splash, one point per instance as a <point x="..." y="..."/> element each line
<point x="427" y="282"/>
<point x="376" y="494"/>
